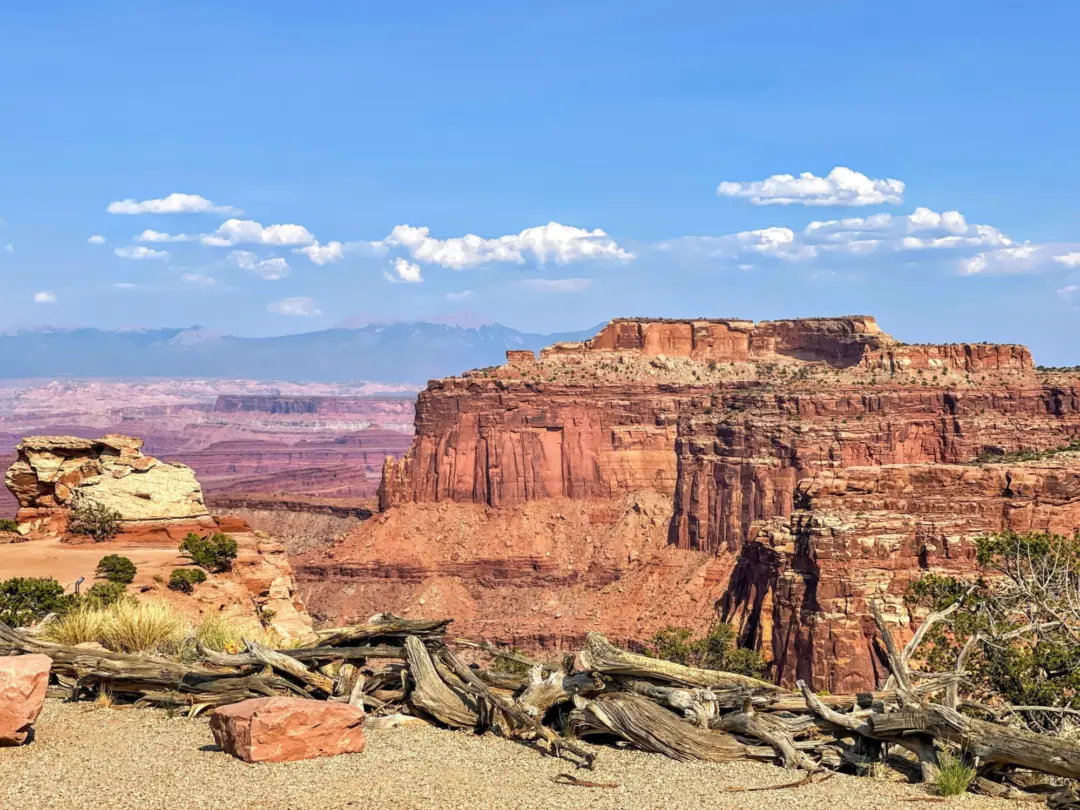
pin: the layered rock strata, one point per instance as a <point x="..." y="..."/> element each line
<point x="730" y="423"/>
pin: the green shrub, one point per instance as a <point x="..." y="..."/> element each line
<point x="115" y="568"/>
<point x="215" y="552"/>
<point x="716" y="650"/>
<point x="95" y="520"/>
<point x="25" y="600"/>
<point x="954" y="776"/>
<point x="184" y="580"/>
<point x="104" y="594"/>
<point x="8" y="525"/>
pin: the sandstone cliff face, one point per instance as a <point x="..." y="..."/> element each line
<point x="739" y="426"/>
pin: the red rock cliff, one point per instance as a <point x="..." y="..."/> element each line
<point x="727" y="421"/>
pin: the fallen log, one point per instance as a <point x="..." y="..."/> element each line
<point x="432" y="695"/>
<point x="381" y="626"/>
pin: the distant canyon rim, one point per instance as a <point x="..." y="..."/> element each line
<point x="778" y="475"/>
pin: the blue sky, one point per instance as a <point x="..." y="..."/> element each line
<point x="618" y="122"/>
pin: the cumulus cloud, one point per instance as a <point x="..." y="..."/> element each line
<point x="294" y="306"/>
<point x="464" y="295"/>
<point x="1024" y="258"/>
<point x="199" y="279"/>
<point x="157" y="236"/>
<point x="405" y="272"/>
<point x="9" y="248"/>
<point x="45" y="297"/>
<point x="551" y="242"/>
<point x="245" y="231"/>
<point x="1067" y="292"/>
<point x="556" y="285"/>
<point x="96" y="239"/>
<point x="1069" y="259"/>
<point x="842" y="186"/>
<point x="124" y="285"/>
<point x="268" y="269"/>
<point x="333" y="252"/>
<point x="140" y="253"/>
<point x="173" y="204"/>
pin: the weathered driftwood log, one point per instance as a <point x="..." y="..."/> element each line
<point x="600" y="655"/>
<point x="290" y="666"/>
<point x="381" y="626"/>
<point x="432" y="695"/>
<point x="542" y="693"/>
<point x="649" y="727"/>
<point x="769" y="730"/>
<point x="557" y="745"/>
<point x="699" y="706"/>
<point x="313" y="654"/>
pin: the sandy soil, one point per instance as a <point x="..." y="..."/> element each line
<point x="66" y="562"/>
<point x="85" y="756"/>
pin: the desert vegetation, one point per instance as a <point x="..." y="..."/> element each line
<point x="214" y="552"/>
<point x="95" y="520"/>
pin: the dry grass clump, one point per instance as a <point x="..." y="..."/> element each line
<point x="145" y="627"/>
<point x="954" y="776"/>
<point x="79" y="626"/>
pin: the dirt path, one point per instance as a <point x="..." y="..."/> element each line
<point x="66" y="563"/>
<point x="125" y="758"/>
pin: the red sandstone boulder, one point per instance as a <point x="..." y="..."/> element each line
<point x="283" y="729"/>
<point x="23" y="680"/>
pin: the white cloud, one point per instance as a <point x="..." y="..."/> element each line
<point x="1024" y="258"/>
<point x="404" y="271"/>
<point x="157" y="236"/>
<point x="842" y="186"/>
<point x="125" y="285"/>
<point x="464" y="295"/>
<point x="333" y="252"/>
<point x="173" y="204"/>
<point x="9" y="248"/>
<point x="198" y="278"/>
<point x="45" y="297"/>
<point x="294" y="306"/>
<point x="551" y="242"/>
<point x="1069" y="259"/>
<point x="245" y="231"/>
<point x="96" y="239"/>
<point x="139" y="253"/>
<point x="557" y="285"/>
<point x="1067" y="292"/>
<point x="269" y="269"/>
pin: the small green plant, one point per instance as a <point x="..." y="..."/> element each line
<point x="8" y="525"/>
<point x="184" y="580"/>
<point x="25" y="600"/>
<point x="954" y="776"/>
<point x="95" y="520"/>
<point x="104" y="594"/>
<point x="115" y="568"/>
<point x="716" y="650"/>
<point x="214" y="552"/>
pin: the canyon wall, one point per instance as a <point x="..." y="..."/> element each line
<point x="736" y="427"/>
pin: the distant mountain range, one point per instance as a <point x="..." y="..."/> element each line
<point x="388" y="352"/>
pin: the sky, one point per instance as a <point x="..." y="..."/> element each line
<point x="268" y="168"/>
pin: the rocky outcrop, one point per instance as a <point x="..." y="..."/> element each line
<point x="54" y="474"/>
<point x="282" y="729"/>
<point x="23" y="681"/>
<point x="737" y="427"/>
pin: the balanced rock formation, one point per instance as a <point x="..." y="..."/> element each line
<point x="283" y="729"/>
<point x="790" y="472"/>
<point x="23" y="681"/>
<point x="54" y="474"/>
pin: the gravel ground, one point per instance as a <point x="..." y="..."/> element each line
<point x="86" y="756"/>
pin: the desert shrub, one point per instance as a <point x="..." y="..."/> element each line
<point x="954" y="776"/>
<point x="184" y="580"/>
<point x="717" y="649"/>
<point x="214" y="552"/>
<point x="145" y="627"/>
<point x="1022" y="624"/>
<point x="104" y="594"/>
<point x="95" y="520"/>
<point x="25" y="600"/>
<point x="83" y="624"/>
<point x="8" y="525"/>
<point x="115" y="568"/>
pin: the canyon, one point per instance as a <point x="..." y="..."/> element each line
<point x="251" y="443"/>
<point x="778" y="475"/>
